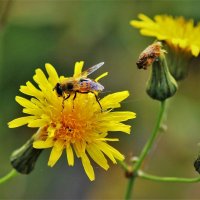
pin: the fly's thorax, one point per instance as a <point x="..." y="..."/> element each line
<point x="68" y="85"/>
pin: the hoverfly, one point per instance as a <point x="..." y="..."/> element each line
<point x="80" y="84"/>
<point x="149" y="55"/>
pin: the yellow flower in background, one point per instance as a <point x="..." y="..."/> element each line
<point x="181" y="37"/>
<point x="79" y="127"/>
<point x="177" y="32"/>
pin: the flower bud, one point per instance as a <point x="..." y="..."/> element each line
<point x="24" y="158"/>
<point x="161" y="84"/>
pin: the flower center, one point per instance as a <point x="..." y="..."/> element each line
<point x="73" y="127"/>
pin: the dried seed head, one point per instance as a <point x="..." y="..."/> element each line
<point x="149" y="55"/>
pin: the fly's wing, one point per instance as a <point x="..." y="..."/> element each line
<point x="89" y="71"/>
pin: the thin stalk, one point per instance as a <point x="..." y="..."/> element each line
<point x="129" y="188"/>
<point x="8" y="176"/>
<point x="145" y="150"/>
<point x="123" y="165"/>
<point x="151" y="177"/>
<point x="149" y="143"/>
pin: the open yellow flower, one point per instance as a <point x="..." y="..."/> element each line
<point x="80" y="127"/>
<point x="180" y="35"/>
<point x="175" y="31"/>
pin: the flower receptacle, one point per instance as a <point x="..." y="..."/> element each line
<point x="25" y="158"/>
<point x="161" y="84"/>
<point x="178" y="61"/>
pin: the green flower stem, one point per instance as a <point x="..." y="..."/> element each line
<point x="8" y="176"/>
<point x="123" y="165"/>
<point x="129" y="188"/>
<point x="149" y="143"/>
<point x="147" y="176"/>
<point x="145" y="151"/>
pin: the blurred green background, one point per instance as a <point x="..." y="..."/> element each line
<point x="62" y="32"/>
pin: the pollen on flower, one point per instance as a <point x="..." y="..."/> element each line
<point x="80" y="127"/>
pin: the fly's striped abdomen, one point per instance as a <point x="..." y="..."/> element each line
<point x="84" y="86"/>
<point x="87" y="85"/>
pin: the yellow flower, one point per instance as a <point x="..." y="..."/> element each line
<point x="175" y="31"/>
<point x="79" y="127"/>
<point x="181" y="37"/>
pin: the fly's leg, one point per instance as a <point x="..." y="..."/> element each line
<point x="65" y="98"/>
<point x="74" y="98"/>
<point x="94" y="95"/>
<point x="98" y="102"/>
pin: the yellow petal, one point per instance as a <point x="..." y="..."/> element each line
<point x="136" y="24"/>
<point x="78" y="68"/>
<point x="32" y="111"/>
<point x="38" y="103"/>
<point x="119" y="116"/>
<point x="24" y="102"/>
<point x="51" y="131"/>
<point x="108" y="139"/>
<point x="105" y="150"/>
<point x="41" y="80"/>
<point x="53" y="76"/>
<point x="113" y="100"/>
<point x="37" y="123"/>
<point x="114" y="151"/>
<point x="97" y="156"/>
<point x="79" y="147"/>
<point x="87" y="167"/>
<point x="43" y="144"/>
<point x="116" y="126"/>
<point x="195" y="50"/>
<point x="70" y="155"/>
<point x="123" y="128"/>
<point x="31" y="90"/>
<point x="56" y="152"/>
<point x="101" y="76"/>
<point x="20" y="121"/>
<point x="145" y="18"/>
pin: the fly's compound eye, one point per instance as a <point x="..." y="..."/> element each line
<point x="58" y="89"/>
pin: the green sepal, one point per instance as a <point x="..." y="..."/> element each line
<point x="161" y="84"/>
<point x="24" y="158"/>
<point x="178" y="61"/>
